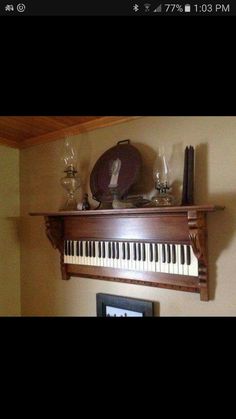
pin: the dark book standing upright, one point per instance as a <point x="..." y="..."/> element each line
<point x="190" y="193"/>
<point x="185" y="178"/>
<point x="188" y="177"/>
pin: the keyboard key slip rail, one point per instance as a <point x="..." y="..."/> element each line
<point x="162" y="247"/>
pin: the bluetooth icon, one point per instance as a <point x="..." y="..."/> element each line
<point x="136" y="8"/>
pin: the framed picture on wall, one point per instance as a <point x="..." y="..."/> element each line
<point x="117" y="306"/>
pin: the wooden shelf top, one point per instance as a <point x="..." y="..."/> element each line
<point x="129" y="211"/>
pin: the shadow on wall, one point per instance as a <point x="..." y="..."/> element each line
<point x="84" y="150"/>
<point x="221" y="230"/>
<point x="201" y="174"/>
<point x="156" y="309"/>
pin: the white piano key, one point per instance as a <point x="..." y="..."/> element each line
<point x="70" y="254"/>
<point x="153" y="263"/>
<point x="131" y="262"/>
<point x="168" y="257"/>
<point x="74" y="258"/>
<point x="120" y="263"/>
<point x="174" y="266"/>
<point x="181" y="266"/>
<point x="186" y="267"/>
<point x="193" y="267"/>
<point x="125" y="261"/>
<point x="137" y="257"/>
<point x="95" y="259"/>
<point x="90" y="258"/>
<point x="146" y="262"/>
<point x="102" y="262"/>
<point x="118" y="255"/>
<point x="171" y="267"/>
<point x="114" y="254"/>
<point x="164" y="265"/>
<point x="107" y="260"/>
<point x="68" y="251"/>
<point x="132" y="245"/>
<point x="141" y="264"/>
<point x="83" y="257"/>
<point x="79" y="257"/>
<point x="158" y="263"/>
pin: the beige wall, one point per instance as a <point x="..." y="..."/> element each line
<point x="214" y="139"/>
<point x="9" y="236"/>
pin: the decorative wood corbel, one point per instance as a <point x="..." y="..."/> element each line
<point x="54" y="232"/>
<point x="198" y="238"/>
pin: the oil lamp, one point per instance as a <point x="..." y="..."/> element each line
<point x="70" y="182"/>
<point x="161" y="176"/>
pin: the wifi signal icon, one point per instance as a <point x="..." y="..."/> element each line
<point x="147" y="7"/>
<point x="158" y="9"/>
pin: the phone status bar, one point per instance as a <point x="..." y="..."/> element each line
<point x="114" y="8"/>
<point x="182" y="8"/>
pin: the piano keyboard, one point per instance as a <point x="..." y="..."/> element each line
<point x="137" y="256"/>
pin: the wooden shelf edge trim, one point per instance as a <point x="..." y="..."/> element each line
<point x="135" y="211"/>
<point x="138" y="282"/>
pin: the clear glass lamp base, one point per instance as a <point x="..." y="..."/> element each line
<point x="70" y="205"/>
<point x="161" y="200"/>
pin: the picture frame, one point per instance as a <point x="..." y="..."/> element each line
<point x="109" y="305"/>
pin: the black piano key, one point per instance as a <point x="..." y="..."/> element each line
<point x="99" y="250"/>
<point x="81" y="249"/>
<point x="135" y="251"/>
<point x="86" y="249"/>
<point x="188" y="256"/>
<point x="156" y="252"/>
<point x="168" y="253"/>
<point x="144" y="252"/>
<point x="163" y="253"/>
<point x="113" y="250"/>
<point x="77" y="248"/>
<point x="65" y="247"/>
<point x="109" y="250"/>
<point x="70" y="248"/>
<point x="182" y="254"/>
<point x="173" y="254"/>
<point x="103" y="250"/>
<point x="128" y="250"/>
<point x="90" y="249"/>
<point x="139" y="251"/>
<point x="117" y="250"/>
<point x="150" y="252"/>
<point x="123" y="251"/>
<point x="94" y="250"/>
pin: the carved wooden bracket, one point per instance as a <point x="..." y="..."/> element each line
<point x="54" y="232"/>
<point x="198" y="238"/>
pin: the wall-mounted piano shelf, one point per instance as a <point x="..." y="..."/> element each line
<point x="162" y="247"/>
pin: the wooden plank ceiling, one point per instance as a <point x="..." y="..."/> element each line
<point x="25" y="131"/>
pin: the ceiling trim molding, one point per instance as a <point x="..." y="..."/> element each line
<point x="9" y="143"/>
<point x="101" y="122"/>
